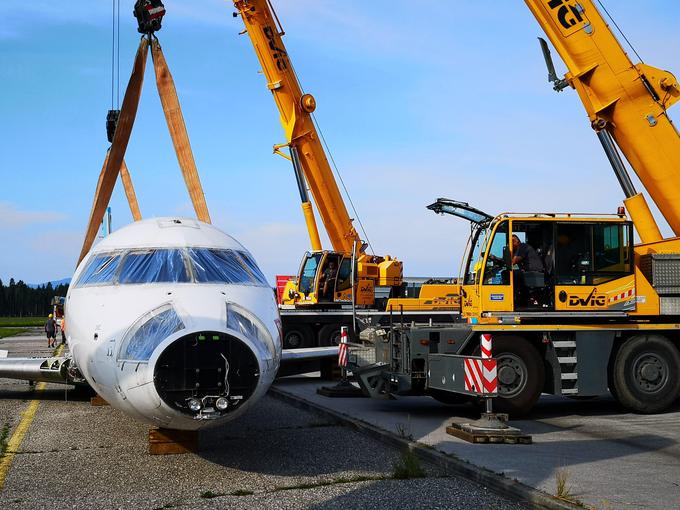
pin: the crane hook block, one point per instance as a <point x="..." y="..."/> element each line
<point x="149" y="14"/>
<point x="111" y="123"/>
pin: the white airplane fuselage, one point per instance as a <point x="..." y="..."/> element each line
<point x="178" y="328"/>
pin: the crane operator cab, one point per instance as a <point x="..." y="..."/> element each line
<point x="325" y="277"/>
<point x="544" y="263"/>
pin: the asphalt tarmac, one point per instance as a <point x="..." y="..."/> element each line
<point x="610" y="459"/>
<point x="75" y="456"/>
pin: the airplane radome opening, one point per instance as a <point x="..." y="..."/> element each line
<point x="206" y="374"/>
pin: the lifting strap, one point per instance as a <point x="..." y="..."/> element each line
<point x="178" y="131"/>
<point x="114" y="159"/>
<point x="130" y="192"/>
<point x="114" y="162"/>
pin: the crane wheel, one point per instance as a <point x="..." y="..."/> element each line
<point x="521" y="375"/>
<point x="329" y="335"/>
<point x="646" y="374"/>
<point x="299" y="336"/>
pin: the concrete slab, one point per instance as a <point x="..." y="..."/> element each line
<point x="612" y="459"/>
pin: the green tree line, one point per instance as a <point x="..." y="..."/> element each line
<point x="19" y="300"/>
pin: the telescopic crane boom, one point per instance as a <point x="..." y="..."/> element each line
<point x="309" y="159"/>
<point x="626" y="103"/>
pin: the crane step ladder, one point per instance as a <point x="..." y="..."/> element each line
<point x="568" y="360"/>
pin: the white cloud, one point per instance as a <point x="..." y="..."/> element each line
<point x="13" y="218"/>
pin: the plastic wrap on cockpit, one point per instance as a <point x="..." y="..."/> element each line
<point x="149" y="332"/>
<point x="254" y="269"/>
<point x="241" y="321"/>
<point x="153" y="266"/>
<point x="101" y="269"/>
<point x="220" y="266"/>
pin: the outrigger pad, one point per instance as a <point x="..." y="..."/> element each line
<point x="344" y="389"/>
<point x="490" y="428"/>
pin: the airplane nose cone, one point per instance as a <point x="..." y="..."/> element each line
<point x="206" y="375"/>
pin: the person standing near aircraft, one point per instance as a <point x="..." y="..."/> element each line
<point x="51" y="331"/>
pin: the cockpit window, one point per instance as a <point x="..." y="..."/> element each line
<point x="221" y="266"/>
<point x="252" y="266"/>
<point x="173" y="265"/>
<point x="153" y="266"/>
<point x="101" y="269"/>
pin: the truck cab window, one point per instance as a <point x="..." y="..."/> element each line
<point x="496" y="271"/>
<point x="344" y="275"/>
<point x="308" y="273"/>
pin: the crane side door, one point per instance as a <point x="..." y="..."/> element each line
<point x="495" y="279"/>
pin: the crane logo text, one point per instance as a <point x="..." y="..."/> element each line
<point x="567" y="15"/>
<point x="279" y="54"/>
<point x="591" y="300"/>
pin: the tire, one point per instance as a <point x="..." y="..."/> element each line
<point x="521" y="375"/>
<point x="645" y="374"/>
<point x="448" y="398"/>
<point x="296" y="337"/>
<point x="329" y="335"/>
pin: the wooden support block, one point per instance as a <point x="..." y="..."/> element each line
<point x="172" y="442"/>
<point x="98" y="401"/>
<point x="487" y="437"/>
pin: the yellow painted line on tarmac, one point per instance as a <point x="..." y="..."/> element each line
<point x="21" y="430"/>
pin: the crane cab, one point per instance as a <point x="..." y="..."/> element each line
<point x="538" y="265"/>
<point x="325" y="279"/>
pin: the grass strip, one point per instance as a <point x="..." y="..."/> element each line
<point x="5" y="332"/>
<point x="19" y="322"/>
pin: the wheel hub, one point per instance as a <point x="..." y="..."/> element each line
<point x="650" y="372"/>
<point x="294" y="340"/>
<point x="512" y="374"/>
<point x="506" y="375"/>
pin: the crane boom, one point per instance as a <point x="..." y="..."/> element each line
<point x="625" y="101"/>
<point x="295" y="108"/>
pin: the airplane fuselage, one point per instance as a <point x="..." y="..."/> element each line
<point x="171" y="321"/>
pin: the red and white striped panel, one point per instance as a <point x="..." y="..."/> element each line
<point x="485" y="344"/>
<point x="342" y="351"/>
<point x="480" y="376"/>
<point x="623" y="296"/>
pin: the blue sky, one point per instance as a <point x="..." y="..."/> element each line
<point x="448" y="99"/>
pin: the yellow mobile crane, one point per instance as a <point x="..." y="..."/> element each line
<point x="573" y="305"/>
<point x="325" y="279"/>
